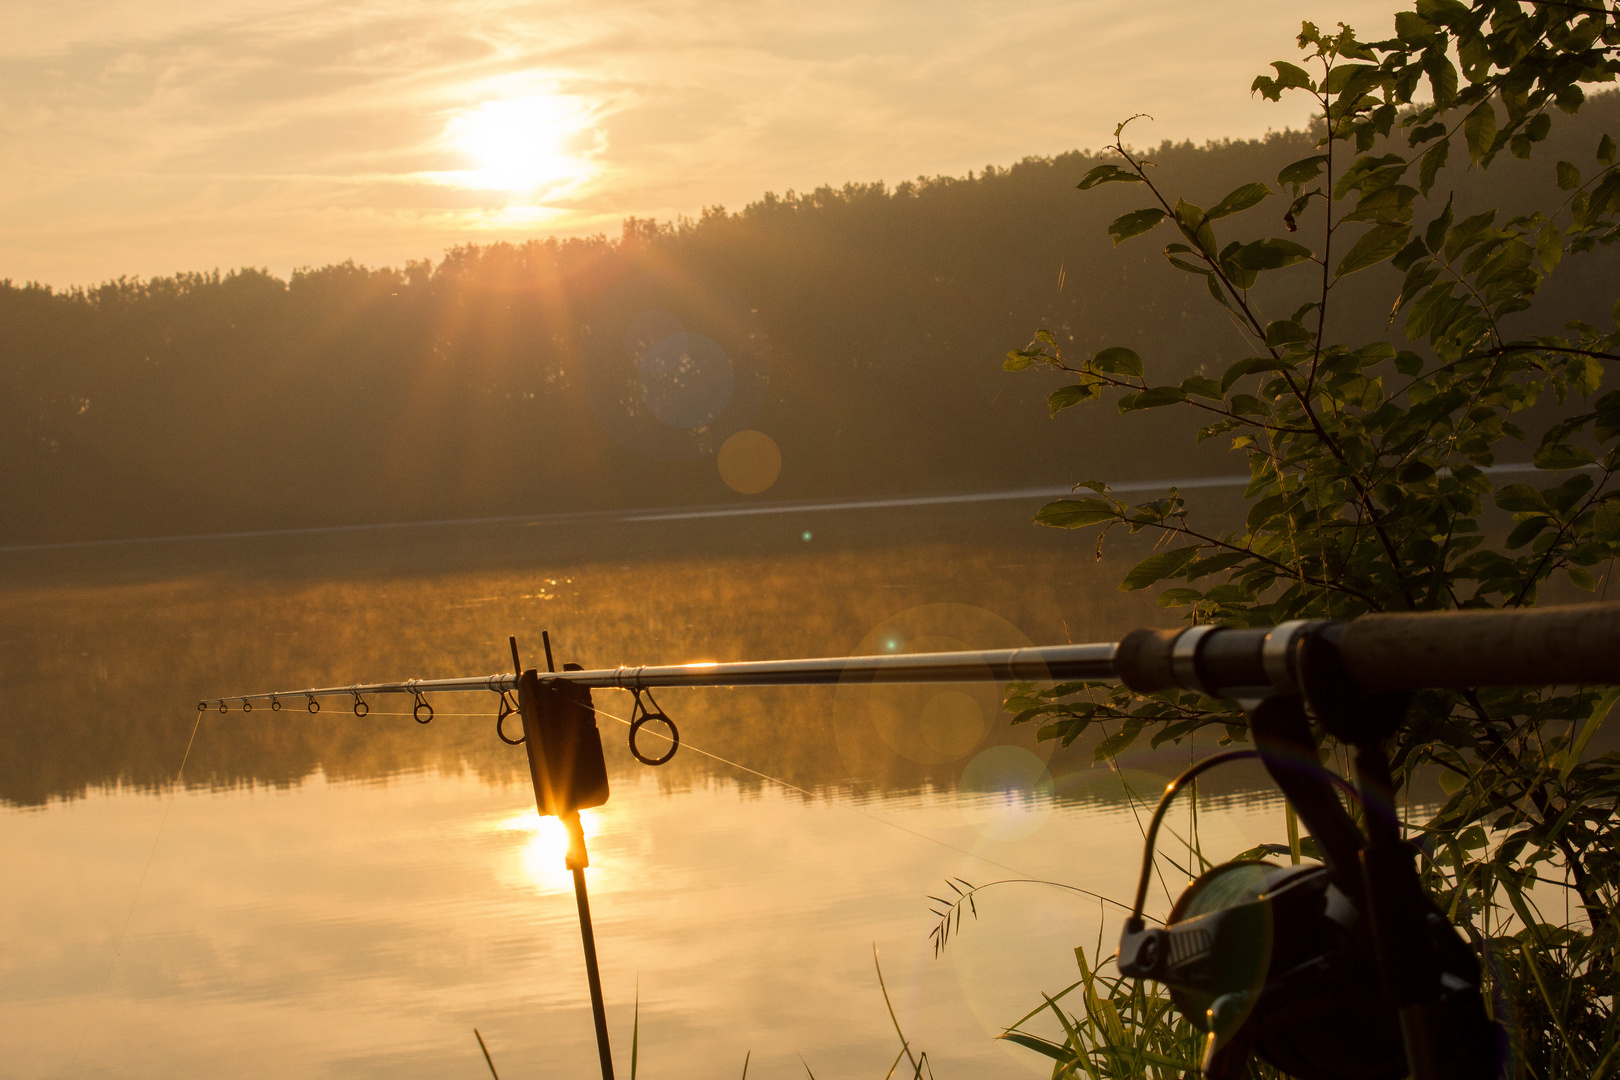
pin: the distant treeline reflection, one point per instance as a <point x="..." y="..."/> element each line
<point x="98" y="684"/>
<point x="860" y="328"/>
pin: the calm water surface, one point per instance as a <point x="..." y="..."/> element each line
<point x="329" y="896"/>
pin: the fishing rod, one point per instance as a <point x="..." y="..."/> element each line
<point x="1252" y="960"/>
<point x="1449" y="649"/>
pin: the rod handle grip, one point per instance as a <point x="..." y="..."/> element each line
<point x="1553" y="646"/>
<point x="1142" y="660"/>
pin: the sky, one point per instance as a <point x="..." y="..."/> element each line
<point x="142" y="139"/>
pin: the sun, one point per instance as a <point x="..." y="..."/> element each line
<point x="521" y="144"/>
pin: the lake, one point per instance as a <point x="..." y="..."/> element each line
<point x="326" y="895"/>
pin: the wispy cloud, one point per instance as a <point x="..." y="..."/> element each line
<point x="142" y="140"/>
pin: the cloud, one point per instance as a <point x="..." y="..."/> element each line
<point x="143" y="141"/>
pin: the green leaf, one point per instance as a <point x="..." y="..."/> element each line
<point x="1158" y="567"/>
<point x="1134" y="223"/>
<point x="1118" y="360"/>
<point x="1468" y="232"/>
<point x="1569" y="177"/>
<point x="1302" y="171"/>
<point x="1375" y="246"/>
<point x="1266" y="509"/>
<point x="1216" y="563"/>
<point x="1404" y="258"/>
<point x="1386" y="206"/>
<point x="1289" y="76"/>
<point x="1152" y="398"/>
<point x="1352" y="80"/>
<point x="1581" y="578"/>
<point x="1239" y="200"/>
<point x="1549" y="248"/>
<point x="1434" y="159"/>
<point x="1605" y="151"/>
<point x="1480" y="130"/>
<point x="1203" y="387"/>
<point x="1527" y="530"/>
<point x="1521" y="498"/>
<point x="1435" y="234"/>
<point x="1248" y="366"/>
<point x="1412" y="27"/>
<point x="1606" y="521"/>
<point x="1221" y="427"/>
<point x="1108" y="174"/>
<point x="1425" y="133"/>
<point x="1017" y="360"/>
<point x="1195" y="226"/>
<point x="1248" y="405"/>
<point x="1076" y="513"/>
<point x="1286" y="331"/>
<point x="1561" y="456"/>
<point x="1270" y="254"/>
<point x="1069" y="396"/>
<point x="1600" y="713"/>
<point x="1442" y="78"/>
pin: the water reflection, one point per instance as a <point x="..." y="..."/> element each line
<point x="335" y="896"/>
<point x="546" y="844"/>
<point x="97" y="682"/>
<point x="355" y="928"/>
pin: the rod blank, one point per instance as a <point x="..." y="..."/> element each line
<point x="1062" y="663"/>
<point x="1543" y="646"/>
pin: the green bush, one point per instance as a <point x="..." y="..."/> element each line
<point x="1376" y="456"/>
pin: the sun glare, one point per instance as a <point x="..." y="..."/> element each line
<point x="521" y="145"/>
<point x="548" y="844"/>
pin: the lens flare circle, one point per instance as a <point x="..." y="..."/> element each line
<point x="672" y="362"/>
<point x="686" y="379"/>
<point x="1005" y="793"/>
<point x="749" y="463"/>
<point x="909" y="733"/>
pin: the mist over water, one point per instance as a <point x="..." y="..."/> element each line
<point x="339" y="896"/>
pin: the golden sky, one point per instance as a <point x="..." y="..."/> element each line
<point x="147" y="138"/>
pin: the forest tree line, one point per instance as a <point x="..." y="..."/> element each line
<point x="860" y="327"/>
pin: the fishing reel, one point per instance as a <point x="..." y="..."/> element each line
<point x="1343" y="971"/>
<point x="1279" y="961"/>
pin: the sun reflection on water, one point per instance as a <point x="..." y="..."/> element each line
<point x="546" y="846"/>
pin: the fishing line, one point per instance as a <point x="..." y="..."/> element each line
<point x="135" y="900"/>
<point x="863" y="813"/>
<point x="807" y="792"/>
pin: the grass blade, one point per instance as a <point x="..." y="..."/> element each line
<point x="904" y="1045"/>
<point x="487" y="1059"/>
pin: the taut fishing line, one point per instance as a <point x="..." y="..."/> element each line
<point x="685" y="744"/>
<point x="863" y="813"/>
<point x="807" y="792"/>
<point x="134" y="900"/>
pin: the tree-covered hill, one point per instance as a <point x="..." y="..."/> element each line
<point x="861" y="328"/>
